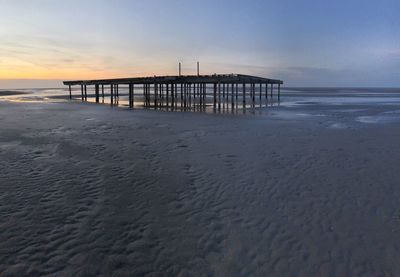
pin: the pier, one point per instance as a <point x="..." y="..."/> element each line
<point x="186" y="92"/>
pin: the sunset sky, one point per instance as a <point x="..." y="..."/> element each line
<point x="303" y="42"/>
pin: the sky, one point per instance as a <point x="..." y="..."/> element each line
<point x="303" y="42"/>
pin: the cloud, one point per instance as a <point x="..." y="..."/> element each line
<point x="28" y="83"/>
<point x="314" y="76"/>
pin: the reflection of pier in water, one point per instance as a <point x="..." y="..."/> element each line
<point x="189" y="93"/>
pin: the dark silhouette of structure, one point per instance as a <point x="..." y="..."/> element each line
<point x="185" y="91"/>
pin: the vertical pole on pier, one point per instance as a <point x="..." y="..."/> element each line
<point x="190" y="95"/>
<point x="200" y="93"/>
<point x="148" y="95"/>
<point x="215" y="95"/>
<point x="181" y="94"/>
<point x="82" y="92"/>
<point x="198" y="69"/>
<point x="176" y="94"/>
<point x="279" y="92"/>
<point x="272" y="90"/>
<point x="130" y="96"/>
<point x="85" y="93"/>
<point x="116" y="94"/>
<point x="237" y="95"/>
<point x="205" y="95"/>
<point x="70" y="92"/>
<point x="187" y="95"/>
<point x="184" y="95"/>
<point x="155" y="95"/>
<point x="232" y="102"/>
<point x="173" y="95"/>
<point x="254" y="94"/>
<point x="161" y="89"/>
<point x="244" y="95"/>
<point x="112" y="93"/>
<point x="144" y="94"/>
<point x="219" y="96"/>
<point x="133" y="95"/>
<point x="237" y="92"/>
<point x="117" y="88"/>
<point x="96" y="90"/>
<point x="168" y="94"/>
<point x="102" y="92"/>
<point x="160" y="94"/>
<point x="180" y="69"/>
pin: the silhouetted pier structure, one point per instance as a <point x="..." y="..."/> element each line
<point x="190" y="91"/>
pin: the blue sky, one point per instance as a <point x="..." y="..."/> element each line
<point x="305" y="43"/>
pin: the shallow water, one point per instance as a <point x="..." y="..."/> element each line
<point x="332" y="107"/>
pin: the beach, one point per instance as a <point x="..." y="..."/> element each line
<point x="294" y="190"/>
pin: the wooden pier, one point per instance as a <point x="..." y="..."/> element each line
<point x="226" y="90"/>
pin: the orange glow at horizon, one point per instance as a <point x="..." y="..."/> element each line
<point x="39" y="67"/>
<point x="72" y="74"/>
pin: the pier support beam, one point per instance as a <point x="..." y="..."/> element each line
<point x="96" y="88"/>
<point x="215" y="95"/>
<point x="70" y="92"/>
<point x="173" y="95"/>
<point x="232" y="97"/>
<point x="219" y="96"/>
<point x="279" y="92"/>
<point x="102" y="92"/>
<point x="130" y="96"/>
<point x="272" y="91"/>
<point x="205" y="95"/>
<point x="253" y="94"/>
<point x="112" y="93"/>
<point x="85" y="92"/>
<point x="117" y="93"/>
<point x="167" y="94"/>
<point x="155" y="95"/>
<point x="244" y="96"/>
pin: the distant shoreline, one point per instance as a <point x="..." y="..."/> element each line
<point x="12" y="92"/>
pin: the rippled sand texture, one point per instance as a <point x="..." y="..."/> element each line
<point x="88" y="190"/>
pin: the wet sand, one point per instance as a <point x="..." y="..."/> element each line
<point x="90" y="190"/>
